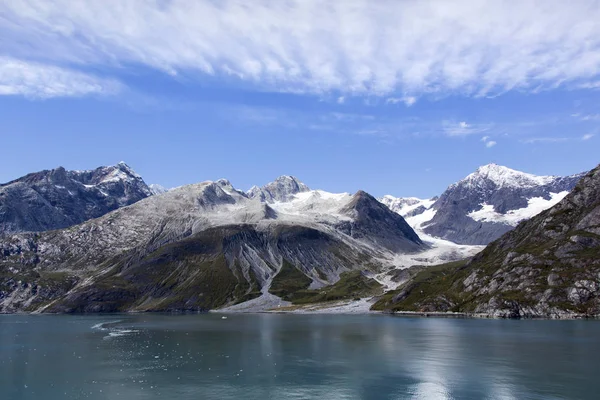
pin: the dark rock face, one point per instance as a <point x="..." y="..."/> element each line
<point x="548" y="266"/>
<point x="58" y="198"/>
<point x="500" y="187"/>
<point x="375" y="222"/>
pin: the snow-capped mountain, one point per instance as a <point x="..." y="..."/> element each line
<point x="155" y="188"/>
<point x="407" y="206"/>
<point x="58" y="198"/>
<point x="282" y="189"/>
<point x="203" y="246"/>
<point x="485" y="204"/>
<point x="547" y="267"/>
<point x="209" y="245"/>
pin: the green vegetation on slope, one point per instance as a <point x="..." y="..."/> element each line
<point x="433" y="288"/>
<point x="191" y="274"/>
<point x="288" y="281"/>
<point x="292" y="285"/>
<point x="351" y="285"/>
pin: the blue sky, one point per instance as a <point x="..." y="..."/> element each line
<point x="393" y="97"/>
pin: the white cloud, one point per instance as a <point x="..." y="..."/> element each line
<point x="463" y="128"/>
<point x="589" y="85"/>
<point x="350" y="117"/>
<point x="488" y="143"/>
<point x="545" y="140"/>
<point x="587" y="136"/>
<point x="407" y="100"/>
<point x="590" y="117"/>
<point x="373" y="47"/>
<point x="341" y="100"/>
<point x="38" y="80"/>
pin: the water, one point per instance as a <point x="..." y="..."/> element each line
<point x="262" y="356"/>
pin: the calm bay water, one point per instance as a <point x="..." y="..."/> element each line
<point x="263" y="356"/>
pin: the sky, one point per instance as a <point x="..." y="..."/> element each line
<point x="397" y="97"/>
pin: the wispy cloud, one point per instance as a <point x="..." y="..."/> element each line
<point x="371" y="47"/>
<point x="488" y="143"/>
<point x="407" y="100"/>
<point x="37" y="80"/>
<point x="545" y="140"/>
<point x="463" y="128"/>
<point x="587" y="136"/>
<point x="348" y="117"/>
<point x="589" y="85"/>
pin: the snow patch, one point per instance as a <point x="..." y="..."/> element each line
<point x="405" y="205"/>
<point x="157" y="189"/>
<point x="419" y="221"/>
<point x="535" y="205"/>
<point x="440" y="251"/>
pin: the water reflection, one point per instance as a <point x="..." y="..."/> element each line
<point x="295" y="357"/>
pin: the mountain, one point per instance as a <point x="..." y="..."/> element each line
<point x="54" y="199"/>
<point x="373" y="222"/>
<point x="548" y="266"/>
<point x="282" y="189"/>
<point x="206" y="246"/>
<point x="407" y="206"/>
<point x="484" y="205"/>
<point x="157" y="189"/>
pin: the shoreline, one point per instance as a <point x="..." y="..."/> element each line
<point x="418" y="314"/>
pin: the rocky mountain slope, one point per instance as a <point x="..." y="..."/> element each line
<point x="58" y="198"/>
<point x="483" y="206"/>
<point x="282" y="189"/>
<point x="548" y="266"/>
<point x="204" y="246"/>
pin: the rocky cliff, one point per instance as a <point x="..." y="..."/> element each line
<point x="548" y="266"/>
<point x="58" y="198"/>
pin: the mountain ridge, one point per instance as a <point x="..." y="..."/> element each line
<point x="203" y="234"/>
<point x="484" y="205"/>
<point x="548" y="266"/>
<point x="57" y="198"/>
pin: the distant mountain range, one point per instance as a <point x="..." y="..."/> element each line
<point x="57" y="198"/>
<point x="484" y="205"/>
<point x="104" y="241"/>
<point x="548" y="266"/>
<point x="204" y="246"/>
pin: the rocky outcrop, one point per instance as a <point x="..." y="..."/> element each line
<point x="58" y="198"/>
<point x="548" y="266"/>
<point x="282" y="189"/>
<point x="374" y="222"/>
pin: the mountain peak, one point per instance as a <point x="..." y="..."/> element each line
<point x="289" y="178"/>
<point x="503" y="176"/>
<point x="155" y="188"/>
<point x="224" y="182"/>
<point x="374" y="220"/>
<point x="58" y="198"/>
<point x="281" y="189"/>
<point x="123" y="167"/>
